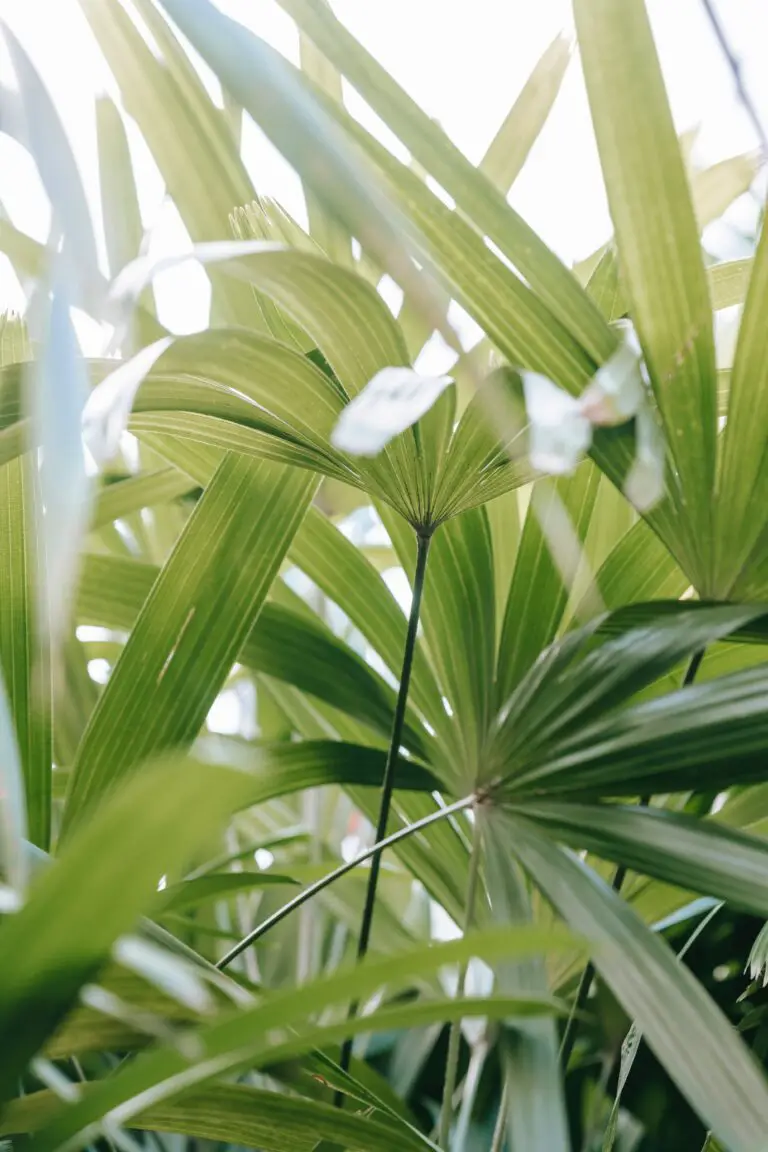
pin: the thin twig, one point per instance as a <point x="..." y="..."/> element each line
<point x="388" y="783"/>
<point x="738" y="78"/>
<point x="307" y="894"/>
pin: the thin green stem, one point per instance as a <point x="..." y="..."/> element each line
<point x="388" y="783"/>
<point x="501" y="1120"/>
<point x="454" y="1036"/>
<point x="619" y="876"/>
<point x="469" y="1093"/>
<point x="313" y="889"/>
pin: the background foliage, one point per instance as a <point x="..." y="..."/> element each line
<point x="574" y="712"/>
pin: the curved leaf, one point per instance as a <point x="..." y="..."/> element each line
<point x="262" y="1034"/>
<point x="744" y="469"/>
<point x="54" y="945"/>
<point x="506" y="154"/>
<point x="576" y="684"/>
<point x="676" y="1016"/>
<point x="282" y="643"/>
<point x="537" y="578"/>
<point x="659" y="252"/>
<point x="706" y="737"/>
<point x="472" y="191"/>
<point x="698" y="855"/>
<point x="244" y="1116"/>
<point x="193" y="624"/>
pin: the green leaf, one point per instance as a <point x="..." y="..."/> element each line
<point x="458" y="607"/>
<point x="694" y="854"/>
<point x="120" y="205"/>
<point x="307" y="654"/>
<point x="575" y="687"/>
<point x="479" y="464"/>
<point x="744" y="470"/>
<point x="639" y="568"/>
<point x="659" y="251"/>
<point x="359" y="339"/>
<point x="676" y="1016"/>
<point x="604" y="286"/>
<point x="183" y="129"/>
<point x="251" y="222"/>
<point x="278" y="1028"/>
<point x="282" y="643"/>
<point x="613" y="517"/>
<point x="59" y="388"/>
<point x="87" y="1030"/>
<point x="705" y="737"/>
<point x="474" y="194"/>
<point x="28" y="256"/>
<point x="249" y="1117"/>
<point x="715" y="188"/>
<point x="504" y="520"/>
<point x="145" y="490"/>
<point x="193" y="624"/>
<point x="538" y="577"/>
<point x="55" y="944"/>
<point x="221" y="886"/>
<point x="73" y="707"/>
<point x="235" y="375"/>
<point x="438" y="856"/>
<point x="729" y="282"/>
<point x="281" y="769"/>
<point x="511" y="315"/>
<point x="343" y="573"/>
<point x="325" y="229"/>
<point x="301" y="130"/>
<point x="24" y="655"/>
<point x="535" y="1104"/>
<point x="508" y="151"/>
<point x="13" y="812"/>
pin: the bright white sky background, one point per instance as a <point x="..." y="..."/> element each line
<point x="465" y="62"/>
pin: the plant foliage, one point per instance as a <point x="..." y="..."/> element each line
<point x="561" y="743"/>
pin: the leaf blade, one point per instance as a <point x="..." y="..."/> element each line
<point x="174" y="663"/>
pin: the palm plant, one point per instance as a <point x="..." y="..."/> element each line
<point x="183" y="949"/>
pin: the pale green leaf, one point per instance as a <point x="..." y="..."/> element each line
<point x="192" y="626"/>
<point x="506" y="154"/>
<point x="539" y="589"/>
<point x="473" y="192"/>
<point x="278" y="1027"/>
<point x="658" y="247"/>
<point x="744" y="470"/>
<point x="54" y="945"/>
<point x="245" y="1116"/>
